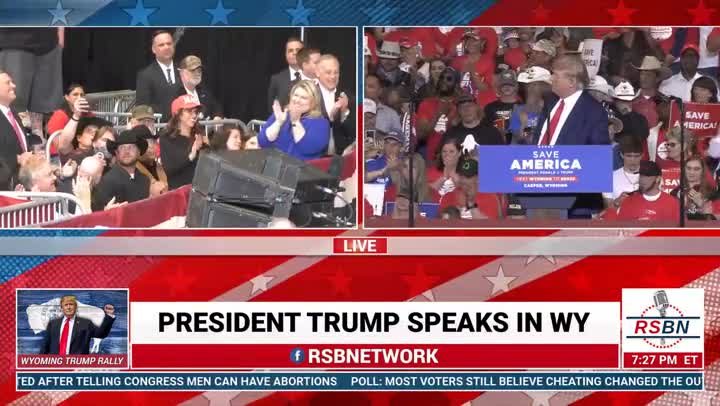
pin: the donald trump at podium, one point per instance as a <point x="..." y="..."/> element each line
<point x="72" y="334"/>
<point x="572" y="116"/>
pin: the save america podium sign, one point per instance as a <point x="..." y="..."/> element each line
<point x="545" y="169"/>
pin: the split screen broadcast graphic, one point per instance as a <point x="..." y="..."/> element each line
<point x="652" y="340"/>
<point x="460" y="127"/>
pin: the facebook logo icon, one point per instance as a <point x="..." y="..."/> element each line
<point x="297" y="355"/>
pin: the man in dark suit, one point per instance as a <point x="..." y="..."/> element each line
<point x="335" y="105"/>
<point x="71" y="334"/>
<point x="280" y="82"/>
<point x="158" y="84"/>
<point x="13" y="140"/>
<point x="191" y="78"/>
<point x="572" y="117"/>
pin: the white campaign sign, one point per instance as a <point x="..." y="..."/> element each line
<point x="591" y="55"/>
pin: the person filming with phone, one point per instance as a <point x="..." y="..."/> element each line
<point x="77" y="137"/>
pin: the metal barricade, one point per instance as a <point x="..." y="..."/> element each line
<point x="214" y="125"/>
<point x="120" y="119"/>
<point x="41" y="209"/>
<point x="255" y="125"/>
<point x="48" y="144"/>
<point x="116" y="101"/>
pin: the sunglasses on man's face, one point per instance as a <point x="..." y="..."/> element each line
<point x="672" y="144"/>
<point x="448" y="78"/>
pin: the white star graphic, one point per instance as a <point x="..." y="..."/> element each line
<point x="429" y="295"/>
<point x="541" y="398"/>
<point x="532" y="258"/>
<point x="259" y="283"/>
<point x="500" y="282"/>
<point x="59" y="14"/>
<point x="219" y="13"/>
<point x="703" y="398"/>
<point x="220" y="398"/>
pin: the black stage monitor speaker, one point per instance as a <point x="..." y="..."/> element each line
<point x="249" y="188"/>
<point x="281" y="167"/>
<point x="203" y="212"/>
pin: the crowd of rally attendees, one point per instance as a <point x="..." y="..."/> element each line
<point x="105" y="166"/>
<point x="507" y="86"/>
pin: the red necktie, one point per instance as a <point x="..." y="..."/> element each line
<point x="64" y="337"/>
<point x="547" y="137"/>
<point x="18" y="133"/>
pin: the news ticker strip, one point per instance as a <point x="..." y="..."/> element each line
<point x="351" y="381"/>
<point x="572" y="244"/>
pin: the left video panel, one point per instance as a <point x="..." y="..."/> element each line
<point x="178" y="127"/>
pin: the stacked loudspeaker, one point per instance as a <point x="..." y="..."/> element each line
<point x="253" y="188"/>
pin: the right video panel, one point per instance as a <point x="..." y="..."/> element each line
<point x="541" y="127"/>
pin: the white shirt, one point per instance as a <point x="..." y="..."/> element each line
<point x="328" y="99"/>
<point x="623" y="182"/>
<point x="707" y="59"/>
<point x="652" y="141"/>
<point x="192" y="93"/>
<point x="676" y="85"/>
<point x="303" y="77"/>
<point x="6" y="112"/>
<point x="292" y="73"/>
<point x="165" y="68"/>
<point x="570" y="102"/>
<point x="652" y="198"/>
<point x="70" y="330"/>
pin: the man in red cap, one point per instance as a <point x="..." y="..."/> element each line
<point x="680" y="84"/>
<point x="651" y="203"/>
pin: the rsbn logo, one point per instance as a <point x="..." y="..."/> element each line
<point x="297" y="356"/>
<point x="666" y="329"/>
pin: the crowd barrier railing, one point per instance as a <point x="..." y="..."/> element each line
<point x="255" y="125"/>
<point x="41" y="209"/>
<point x="120" y="119"/>
<point x="118" y="101"/>
<point x="209" y="124"/>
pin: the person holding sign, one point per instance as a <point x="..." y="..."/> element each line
<point x="704" y="90"/>
<point x="651" y="203"/>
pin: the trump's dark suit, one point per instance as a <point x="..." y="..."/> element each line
<point x="83" y="330"/>
<point x="152" y="89"/>
<point x="587" y="123"/>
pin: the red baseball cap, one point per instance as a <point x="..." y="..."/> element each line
<point x="184" y="102"/>
<point x="690" y="46"/>
<point x="407" y="43"/>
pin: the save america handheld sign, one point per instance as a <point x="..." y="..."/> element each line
<point x="545" y="169"/>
